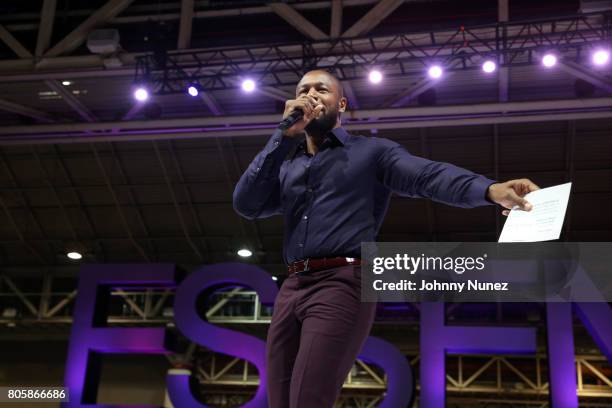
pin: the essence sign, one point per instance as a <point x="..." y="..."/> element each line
<point x="90" y="338"/>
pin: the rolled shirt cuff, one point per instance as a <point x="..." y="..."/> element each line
<point x="478" y="194"/>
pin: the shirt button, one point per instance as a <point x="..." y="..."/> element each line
<point x="301" y="245"/>
<point x="305" y="217"/>
<point x="310" y="190"/>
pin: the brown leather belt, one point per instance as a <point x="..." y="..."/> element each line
<point x="317" y="264"/>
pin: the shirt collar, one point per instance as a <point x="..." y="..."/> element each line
<point x="341" y="135"/>
<point x="337" y="136"/>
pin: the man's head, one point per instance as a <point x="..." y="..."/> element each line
<point x="326" y="89"/>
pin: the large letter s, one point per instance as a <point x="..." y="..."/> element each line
<point x="215" y="338"/>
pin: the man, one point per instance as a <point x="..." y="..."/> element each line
<point x="333" y="191"/>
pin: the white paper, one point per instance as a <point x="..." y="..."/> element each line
<point x="544" y="221"/>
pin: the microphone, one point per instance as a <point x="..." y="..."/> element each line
<point x="291" y="120"/>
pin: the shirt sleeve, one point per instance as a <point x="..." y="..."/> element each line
<point x="257" y="194"/>
<point x="413" y="176"/>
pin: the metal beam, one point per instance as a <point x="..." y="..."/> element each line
<point x="185" y="25"/>
<point x="45" y="178"/>
<point x="24" y="197"/>
<point x="133" y="111"/>
<point x="597" y="372"/>
<point x="45" y="296"/>
<point x="56" y="155"/>
<point x="269" y="91"/>
<point x="45" y="29"/>
<point x="13" y="43"/>
<point x="53" y="311"/>
<point x="116" y="157"/>
<point x="232" y="177"/>
<point x="25" y="111"/>
<point x="503" y="13"/>
<point x="217" y="306"/>
<point x="155" y="13"/>
<point x="29" y="305"/>
<point x="131" y="303"/>
<point x="372" y="18"/>
<point x="371" y="372"/>
<point x="267" y="130"/>
<point x="20" y="234"/>
<point x="353" y="102"/>
<point x="586" y="74"/>
<point x="160" y="303"/>
<point x="415" y="90"/>
<point x="73" y="40"/>
<point x="510" y="112"/>
<point x="275" y="93"/>
<point x="187" y="191"/>
<point x="71" y="100"/>
<point x="211" y="103"/>
<point x="410" y="93"/>
<point x="78" y="66"/>
<point x="177" y="207"/>
<point x="118" y="206"/>
<point x="297" y="21"/>
<point x="336" y="19"/>
<point x="289" y="56"/>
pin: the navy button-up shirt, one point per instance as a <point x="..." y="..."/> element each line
<point x="336" y="199"/>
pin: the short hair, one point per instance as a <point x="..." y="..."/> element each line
<point x="332" y="76"/>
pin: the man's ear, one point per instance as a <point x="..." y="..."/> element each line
<point x="342" y="104"/>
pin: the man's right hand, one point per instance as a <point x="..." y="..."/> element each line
<point x="307" y="104"/>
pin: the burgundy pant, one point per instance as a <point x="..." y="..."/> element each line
<point x="318" y="327"/>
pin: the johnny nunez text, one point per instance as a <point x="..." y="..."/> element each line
<point x="469" y="285"/>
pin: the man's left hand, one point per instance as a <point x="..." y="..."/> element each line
<point x="510" y="194"/>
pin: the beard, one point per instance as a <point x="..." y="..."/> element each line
<point x="323" y="124"/>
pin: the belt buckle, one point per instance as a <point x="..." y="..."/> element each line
<point x="305" y="268"/>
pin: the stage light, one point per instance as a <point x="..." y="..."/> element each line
<point x="245" y="253"/>
<point x="193" y="90"/>
<point x="9" y="313"/>
<point x="601" y="57"/>
<point x="248" y="85"/>
<point x="66" y="83"/>
<point x="74" y="255"/>
<point x="435" y="72"/>
<point x="375" y="77"/>
<point x="549" y="60"/>
<point x="141" y="94"/>
<point x="489" y="66"/>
